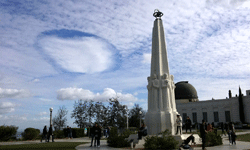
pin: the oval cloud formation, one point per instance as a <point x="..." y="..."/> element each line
<point x="82" y="54"/>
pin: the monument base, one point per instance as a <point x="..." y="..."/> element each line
<point x="159" y="121"/>
<point x="180" y="138"/>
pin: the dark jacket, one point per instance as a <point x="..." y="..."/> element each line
<point x="202" y="129"/>
<point x="188" y="123"/>
<point x="91" y="132"/>
<point x="45" y="131"/>
<point x="50" y="131"/>
<point x="97" y="131"/>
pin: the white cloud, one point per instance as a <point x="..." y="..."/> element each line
<point x="45" y="99"/>
<point x="84" y="55"/>
<point x="35" y="80"/>
<point x="146" y="58"/>
<point x="13" y="118"/>
<point x="41" y="119"/>
<point x="14" y="93"/>
<point x="43" y="113"/>
<point x="6" y="107"/>
<point x="79" y="93"/>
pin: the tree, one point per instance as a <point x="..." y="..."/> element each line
<point x="134" y="116"/>
<point x="91" y="111"/>
<point x="98" y="112"/>
<point x="7" y="131"/>
<point x="117" y="113"/>
<point x="60" y="119"/>
<point x="104" y="115"/>
<point x="241" y="107"/>
<point x="79" y="113"/>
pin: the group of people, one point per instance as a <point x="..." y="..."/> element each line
<point x="188" y="124"/>
<point x="96" y="133"/>
<point x="230" y="131"/>
<point x="204" y="129"/>
<point x="46" y="135"/>
<point x="69" y="132"/>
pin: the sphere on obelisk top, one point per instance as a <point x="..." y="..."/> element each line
<point x="157" y="13"/>
<point x="162" y="111"/>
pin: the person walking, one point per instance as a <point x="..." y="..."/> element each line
<point x="92" y="135"/>
<point x="99" y="135"/>
<point x="51" y="133"/>
<point x="230" y="131"/>
<point x="179" y="124"/>
<point x="188" y="124"/>
<point x="233" y="138"/>
<point x="141" y="131"/>
<point x="44" y="136"/>
<point x="203" y="134"/>
<point x="222" y="128"/>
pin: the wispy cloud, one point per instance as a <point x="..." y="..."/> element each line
<point x="14" y="93"/>
<point x="207" y="44"/>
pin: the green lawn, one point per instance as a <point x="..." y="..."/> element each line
<point x="243" y="137"/>
<point x="44" y="146"/>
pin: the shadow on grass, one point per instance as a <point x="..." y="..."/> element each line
<point x="44" y="146"/>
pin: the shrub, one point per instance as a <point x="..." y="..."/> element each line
<point x="30" y="133"/>
<point x="6" y="132"/>
<point x="59" y="134"/>
<point x="167" y="141"/>
<point x="78" y="132"/>
<point x="118" y="141"/>
<point x="212" y="139"/>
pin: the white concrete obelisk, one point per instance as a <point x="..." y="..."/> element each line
<point x="162" y="112"/>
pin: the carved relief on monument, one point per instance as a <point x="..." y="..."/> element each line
<point x="165" y="81"/>
<point x="155" y="81"/>
<point x="149" y="86"/>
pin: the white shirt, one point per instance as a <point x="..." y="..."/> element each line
<point x="179" y="121"/>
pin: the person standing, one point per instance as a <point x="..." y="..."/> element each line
<point x="222" y="128"/>
<point x="92" y="135"/>
<point x="51" y="133"/>
<point x="141" y="131"/>
<point x="44" y="136"/>
<point x="99" y="135"/>
<point x="96" y="130"/>
<point x="203" y="134"/>
<point x="70" y="133"/>
<point x="108" y="130"/>
<point x="179" y="124"/>
<point x="188" y="124"/>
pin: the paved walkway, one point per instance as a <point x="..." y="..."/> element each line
<point x="239" y="144"/>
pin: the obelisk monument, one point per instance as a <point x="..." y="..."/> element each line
<point x="162" y="111"/>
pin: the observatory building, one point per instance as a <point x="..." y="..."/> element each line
<point x="214" y="110"/>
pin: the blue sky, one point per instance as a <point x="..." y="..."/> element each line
<point x="53" y="53"/>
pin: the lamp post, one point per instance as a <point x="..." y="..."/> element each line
<point x="140" y="117"/>
<point x="51" y="109"/>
